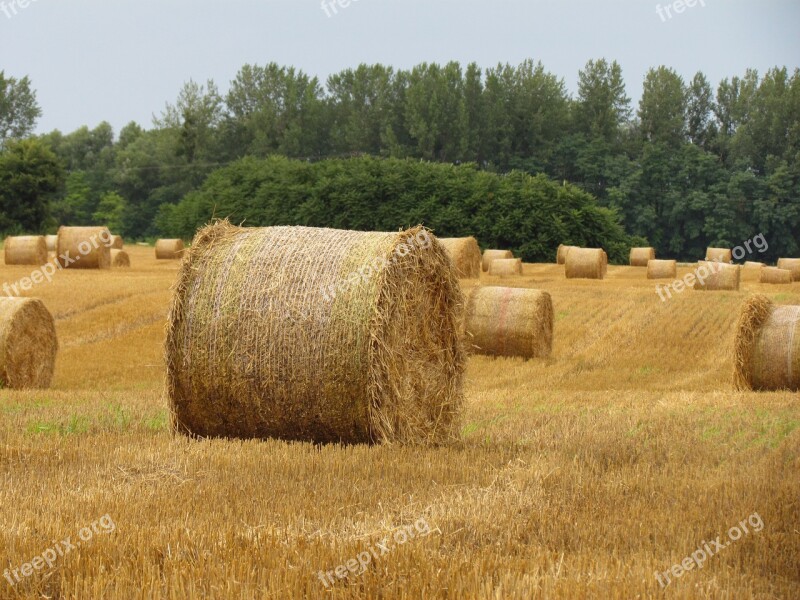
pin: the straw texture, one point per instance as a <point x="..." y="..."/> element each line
<point x="791" y="264"/>
<point x="724" y="255"/>
<point x="561" y="255"/>
<point x="721" y="277"/>
<point x="586" y="263"/>
<point x="169" y="249"/>
<point x="490" y="255"/>
<point x="259" y="345"/>
<point x="28" y="344"/>
<point x="120" y="258"/>
<point x="466" y="256"/>
<point x="86" y="246"/>
<point x="25" y="250"/>
<point x="776" y="275"/>
<point x="505" y="267"/>
<point x="641" y="256"/>
<point x="662" y="269"/>
<point x="505" y="321"/>
<point x="52" y="242"/>
<point x="767" y="346"/>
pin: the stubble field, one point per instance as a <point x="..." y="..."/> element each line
<point x="577" y="476"/>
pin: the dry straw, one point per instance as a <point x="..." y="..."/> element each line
<point x="510" y="322"/>
<point x="26" y="250"/>
<point x="767" y="346"/>
<point x="775" y="275"/>
<point x="561" y="255"/>
<point x="641" y="256"/>
<point x="490" y="255"/>
<point x="28" y="344"/>
<point x="52" y="242"/>
<point x="662" y="269"/>
<point x="254" y="350"/>
<point x="721" y="277"/>
<point x="466" y="256"/>
<point x="724" y="255"/>
<point x="753" y="265"/>
<point x="117" y="243"/>
<point x="586" y="263"/>
<point x="505" y="267"/>
<point x="169" y="249"/>
<point x="120" y="258"/>
<point x="86" y="246"/>
<point x="791" y="264"/>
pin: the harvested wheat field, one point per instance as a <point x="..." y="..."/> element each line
<point x="586" y="474"/>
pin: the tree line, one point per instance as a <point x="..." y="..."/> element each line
<point x="689" y="166"/>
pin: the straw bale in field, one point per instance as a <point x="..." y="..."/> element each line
<point x="717" y="276"/>
<point x="84" y="248"/>
<point x="28" y="344"/>
<point x="641" y="256"/>
<point x="586" y="263"/>
<point x="662" y="269"/>
<point x="504" y="267"/>
<point x="466" y="256"/>
<point x="490" y="255"/>
<point x="26" y="250"/>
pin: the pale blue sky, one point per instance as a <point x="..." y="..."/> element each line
<point x="121" y="60"/>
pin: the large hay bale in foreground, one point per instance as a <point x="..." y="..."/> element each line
<point x="721" y="277"/>
<point x="28" y="344"/>
<point x="120" y="258"/>
<point x="586" y="263"/>
<point x="52" y="242"/>
<point x="767" y="346"/>
<point x="466" y="256"/>
<point x="490" y="255"/>
<point x="117" y="243"/>
<point x="316" y="334"/>
<point x="26" y="250"/>
<point x="84" y="248"/>
<point x="505" y="267"/>
<point x="662" y="269"/>
<point x="775" y="275"/>
<point x="724" y="255"/>
<point x="169" y="249"/>
<point x="505" y="321"/>
<point x="791" y="264"/>
<point x="641" y="256"/>
<point x="561" y="254"/>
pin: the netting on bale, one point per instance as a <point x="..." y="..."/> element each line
<point x="28" y="344"/>
<point x="316" y="334"/>
<point x="767" y="346"/>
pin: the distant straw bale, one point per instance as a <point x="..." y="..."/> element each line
<point x="490" y="255"/>
<point x="776" y="275"/>
<point x="720" y="277"/>
<point x="466" y="256"/>
<point x="25" y="250"/>
<point x="84" y="248"/>
<point x="561" y="255"/>
<point x="510" y="322"/>
<point x="641" y="256"/>
<point x="505" y="267"/>
<point x="662" y="269"/>
<point x="724" y="255"/>
<point x="791" y="264"/>
<point x="120" y="258"/>
<point x="586" y="263"/>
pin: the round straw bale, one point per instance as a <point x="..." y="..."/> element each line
<point x="662" y="269"/>
<point x="504" y="267"/>
<point x="767" y="346"/>
<point x="791" y="264"/>
<point x="717" y="276"/>
<point x="505" y="321"/>
<point x="52" y="242"/>
<point x="641" y="256"/>
<point x="775" y="275"/>
<point x="316" y="334"/>
<point x="490" y="255"/>
<point x="84" y="248"/>
<point x="169" y="249"/>
<point x="724" y="255"/>
<point x="120" y="258"/>
<point x="28" y="344"/>
<point x="753" y="265"/>
<point x="466" y="256"/>
<point x="586" y="263"/>
<point x="117" y="243"/>
<point x="561" y="255"/>
<point x="26" y="250"/>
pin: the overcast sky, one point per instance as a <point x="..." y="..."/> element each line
<point x="122" y="60"/>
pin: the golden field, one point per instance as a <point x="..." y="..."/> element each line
<point x="579" y="476"/>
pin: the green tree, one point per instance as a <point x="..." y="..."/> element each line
<point x="111" y="211"/>
<point x="18" y="108"/>
<point x="29" y="175"/>
<point x="662" y="109"/>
